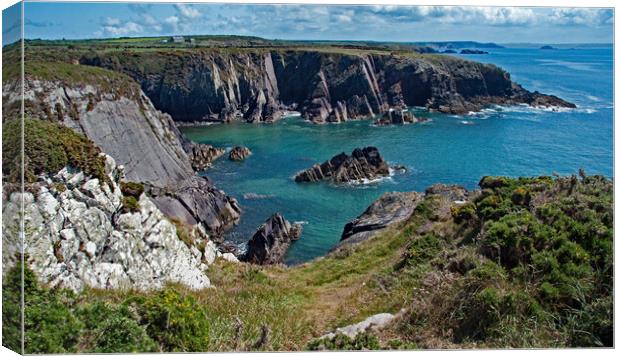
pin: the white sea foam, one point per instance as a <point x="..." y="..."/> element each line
<point x="301" y="222"/>
<point x="254" y="196"/>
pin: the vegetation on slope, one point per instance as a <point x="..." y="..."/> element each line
<point x="526" y="263"/>
<point x="48" y="147"/>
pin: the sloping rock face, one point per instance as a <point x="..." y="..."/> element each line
<point x="125" y="125"/>
<point x="256" y="85"/>
<point x="390" y="209"/>
<point x="363" y="164"/>
<point x="396" y="207"/>
<point x="271" y="241"/>
<point x="77" y="236"/>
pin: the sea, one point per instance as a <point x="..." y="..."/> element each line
<point x="454" y="149"/>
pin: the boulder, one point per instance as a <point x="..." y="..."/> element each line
<point x="363" y="164"/>
<point x="271" y="241"/>
<point x="239" y="153"/>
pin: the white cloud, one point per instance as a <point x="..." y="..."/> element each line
<point x="116" y="28"/>
<point x="581" y="16"/>
<point x="187" y="11"/>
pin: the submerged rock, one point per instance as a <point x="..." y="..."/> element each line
<point x="363" y="164"/>
<point x="391" y="208"/>
<point x="271" y="241"/>
<point x="239" y="153"/>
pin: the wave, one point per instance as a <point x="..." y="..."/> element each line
<point x="301" y="222"/>
<point x="254" y="196"/>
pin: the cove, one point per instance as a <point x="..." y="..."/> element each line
<point x="454" y="149"/>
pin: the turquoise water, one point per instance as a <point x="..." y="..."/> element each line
<point x="514" y="141"/>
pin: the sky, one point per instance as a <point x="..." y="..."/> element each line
<point x="313" y="22"/>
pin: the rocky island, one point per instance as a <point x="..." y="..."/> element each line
<point x="362" y="164"/>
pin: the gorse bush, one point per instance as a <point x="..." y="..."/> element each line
<point x="553" y="237"/>
<point x="174" y="320"/>
<point x="49" y="323"/>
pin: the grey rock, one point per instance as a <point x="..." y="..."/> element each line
<point x="141" y="139"/>
<point x="389" y="210"/>
<point x="271" y="241"/>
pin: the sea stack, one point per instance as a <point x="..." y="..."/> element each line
<point x="363" y="163"/>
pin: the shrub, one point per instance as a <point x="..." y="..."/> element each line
<point x="465" y="212"/>
<point x="175" y="321"/>
<point x="133" y="189"/>
<point x="423" y="249"/>
<point x="49" y="323"/>
<point x="130" y="204"/>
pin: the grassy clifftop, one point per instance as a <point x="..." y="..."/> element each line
<point x="525" y="263"/>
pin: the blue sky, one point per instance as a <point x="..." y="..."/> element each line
<point x="381" y="23"/>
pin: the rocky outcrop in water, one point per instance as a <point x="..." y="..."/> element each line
<point x="362" y="164"/>
<point x="121" y="120"/>
<point x="396" y="117"/>
<point x="202" y="155"/>
<point x="78" y="235"/>
<point x="271" y="241"/>
<point x="257" y="85"/>
<point x="239" y="153"/>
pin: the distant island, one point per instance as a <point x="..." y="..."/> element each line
<point x="547" y="47"/>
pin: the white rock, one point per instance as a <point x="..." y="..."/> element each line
<point x="374" y="322"/>
<point x="229" y="257"/>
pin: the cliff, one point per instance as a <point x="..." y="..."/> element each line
<point x="111" y="110"/>
<point x="325" y="85"/>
